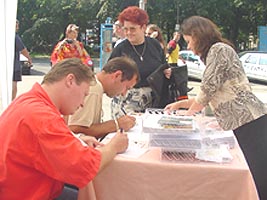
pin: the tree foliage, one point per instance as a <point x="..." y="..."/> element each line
<point x="43" y="22"/>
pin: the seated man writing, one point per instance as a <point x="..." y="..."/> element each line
<point x="117" y="76"/>
<point x="38" y="152"/>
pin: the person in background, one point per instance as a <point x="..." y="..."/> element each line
<point x="173" y="49"/>
<point x="17" y="71"/>
<point x="118" y="32"/>
<point x="70" y="47"/>
<point x="154" y="31"/>
<point x="226" y="89"/>
<point x="116" y="78"/>
<point x="145" y="51"/>
<point x="38" y="152"/>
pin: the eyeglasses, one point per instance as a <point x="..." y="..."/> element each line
<point x="148" y="33"/>
<point x="131" y="29"/>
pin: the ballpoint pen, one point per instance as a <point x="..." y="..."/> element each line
<point x="116" y="123"/>
<point x="124" y="112"/>
<point x="117" y="127"/>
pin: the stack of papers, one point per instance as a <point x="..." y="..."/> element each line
<point x="172" y="132"/>
<point x="184" y="156"/>
<point x="220" y="154"/>
<point x="181" y="139"/>
<point x="172" y="122"/>
<point x="163" y="123"/>
<point x="215" y="138"/>
<point x="191" y="142"/>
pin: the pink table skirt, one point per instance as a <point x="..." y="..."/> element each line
<point x="149" y="178"/>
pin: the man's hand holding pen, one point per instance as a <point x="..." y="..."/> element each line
<point x="126" y="122"/>
<point x="121" y="138"/>
<point x="121" y="141"/>
<point x="123" y="124"/>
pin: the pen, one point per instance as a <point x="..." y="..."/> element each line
<point x="116" y="123"/>
<point x="117" y="126"/>
<point x="124" y="112"/>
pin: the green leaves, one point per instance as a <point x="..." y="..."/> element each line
<point x="43" y="22"/>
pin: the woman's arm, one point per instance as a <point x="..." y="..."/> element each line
<point x="190" y="104"/>
<point x="186" y="103"/>
<point x="194" y="108"/>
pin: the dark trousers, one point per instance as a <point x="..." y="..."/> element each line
<point x="69" y="192"/>
<point x="252" y="138"/>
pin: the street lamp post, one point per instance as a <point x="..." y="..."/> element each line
<point x="177" y="25"/>
<point x="142" y="4"/>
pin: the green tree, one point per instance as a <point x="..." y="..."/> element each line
<point x="43" y="22"/>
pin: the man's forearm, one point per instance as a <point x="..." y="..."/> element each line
<point x="108" y="153"/>
<point x="26" y="53"/>
<point x="97" y="130"/>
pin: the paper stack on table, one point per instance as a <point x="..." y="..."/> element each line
<point x="213" y="138"/>
<point x="180" y="137"/>
<point x="213" y="134"/>
<point x="220" y="154"/>
<point x="171" y="131"/>
<point x="164" y="123"/>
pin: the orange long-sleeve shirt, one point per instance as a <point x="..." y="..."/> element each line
<point x="38" y="153"/>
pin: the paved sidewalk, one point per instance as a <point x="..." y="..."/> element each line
<point x="42" y="66"/>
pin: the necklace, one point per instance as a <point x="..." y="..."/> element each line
<point x="143" y="52"/>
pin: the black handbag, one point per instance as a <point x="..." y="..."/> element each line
<point x="168" y="90"/>
<point x="179" y="78"/>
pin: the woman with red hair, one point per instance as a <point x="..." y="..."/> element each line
<point x="145" y="51"/>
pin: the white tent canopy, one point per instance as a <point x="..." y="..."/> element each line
<point x="8" y="12"/>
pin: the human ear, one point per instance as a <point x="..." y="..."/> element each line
<point x="118" y="75"/>
<point x="70" y="79"/>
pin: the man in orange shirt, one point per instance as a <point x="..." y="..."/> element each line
<point x="38" y="152"/>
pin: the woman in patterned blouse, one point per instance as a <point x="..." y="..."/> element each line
<point x="226" y="89"/>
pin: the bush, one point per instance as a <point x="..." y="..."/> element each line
<point x="41" y="37"/>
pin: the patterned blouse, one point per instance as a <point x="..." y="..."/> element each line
<point x="226" y="89"/>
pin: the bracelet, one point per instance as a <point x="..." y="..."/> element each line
<point x="116" y="124"/>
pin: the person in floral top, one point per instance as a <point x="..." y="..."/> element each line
<point x="70" y="47"/>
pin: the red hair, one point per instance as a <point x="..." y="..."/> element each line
<point x="135" y="15"/>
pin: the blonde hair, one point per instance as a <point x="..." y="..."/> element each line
<point x="72" y="27"/>
<point x="81" y="72"/>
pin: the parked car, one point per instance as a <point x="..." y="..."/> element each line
<point x="25" y="65"/>
<point x="255" y="65"/>
<point x="194" y="65"/>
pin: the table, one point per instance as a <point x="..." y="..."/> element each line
<point x="149" y="178"/>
